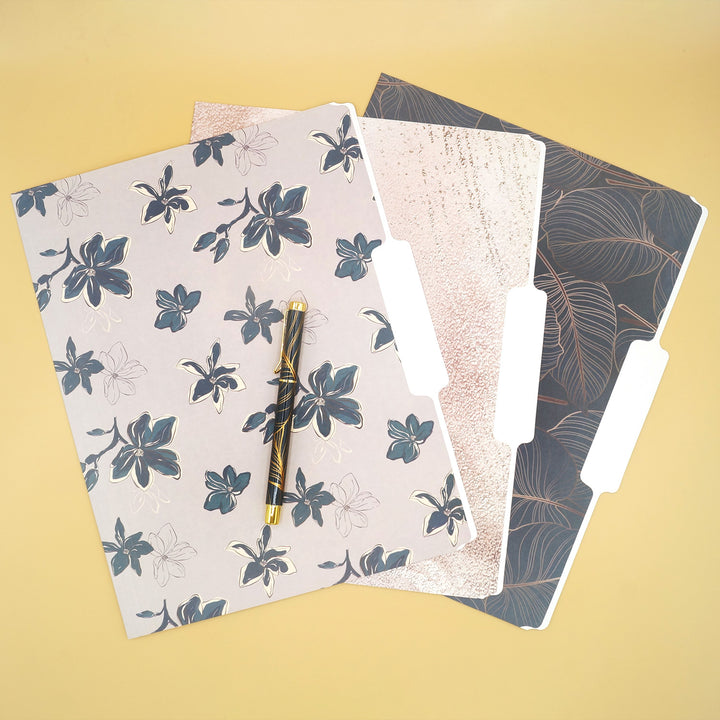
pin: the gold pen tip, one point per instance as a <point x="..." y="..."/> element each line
<point x="272" y="514"/>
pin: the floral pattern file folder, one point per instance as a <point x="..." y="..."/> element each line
<point x="162" y="283"/>
<point x="467" y="201"/>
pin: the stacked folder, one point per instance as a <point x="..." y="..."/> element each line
<point x="480" y="351"/>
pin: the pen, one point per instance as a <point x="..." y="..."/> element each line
<point x="288" y="367"/>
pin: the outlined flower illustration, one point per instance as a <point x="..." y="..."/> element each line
<point x="277" y="220"/>
<point x="328" y="400"/>
<point x="97" y="270"/>
<point x="146" y="451"/>
<point x="175" y="308"/>
<point x="78" y="369"/>
<point x="34" y="198"/>
<point x="351" y="505"/>
<point x="168" y="554"/>
<point x="344" y="152"/>
<point x="215" y="381"/>
<point x="264" y="564"/>
<point x="211" y="147"/>
<point x="119" y="372"/>
<point x="407" y="438"/>
<point x="257" y="319"/>
<point x="383" y="337"/>
<point x="166" y="201"/>
<point x="447" y="513"/>
<point x="224" y="489"/>
<point x="251" y="145"/>
<point x="355" y="256"/>
<point x="127" y="550"/>
<point x="73" y="196"/>
<point x="308" y="500"/>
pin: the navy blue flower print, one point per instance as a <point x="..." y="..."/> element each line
<point x="97" y="270"/>
<point x="355" y="256"/>
<point x="218" y="240"/>
<point x="407" y="438"/>
<point x="34" y="198"/>
<point x="447" y="513"/>
<point x="215" y="381"/>
<point x="211" y="147"/>
<point x="166" y="201"/>
<point x="264" y="564"/>
<point x="175" y="308"/>
<point x="378" y="560"/>
<point x="383" y="337"/>
<point x="194" y="609"/>
<point x="146" y="451"/>
<point x="328" y="400"/>
<point x="257" y="319"/>
<point x="375" y="560"/>
<point x="78" y="369"/>
<point x="127" y="550"/>
<point x="256" y="419"/>
<point x="191" y="611"/>
<point x="225" y="489"/>
<point x="308" y="500"/>
<point x="278" y="221"/>
<point x="344" y="152"/>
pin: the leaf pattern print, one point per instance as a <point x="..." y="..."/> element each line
<point x="278" y="221"/>
<point x="215" y="381"/>
<point x="308" y="501"/>
<point x="447" y="512"/>
<point x="599" y="235"/>
<point x="383" y="337"/>
<point x="166" y="201"/>
<point x="355" y="256"/>
<point x="78" y="369"/>
<point x="344" y="152"/>
<point x="175" y="307"/>
<point x="669" y="217"/>
<point x="257" y="319"/>
<point x="546" y="481"/>
<point x="407" y="438"/>
<point x="328" y="400"/>
<point x="127" y="551"/>
<point x="225" y="489"/>
<point x="265" y="564"/>
<point x="585" y="313"/>
<point x="146" y="450"/>
<point x="211" y="147"/>
<point x="552" y="349"/>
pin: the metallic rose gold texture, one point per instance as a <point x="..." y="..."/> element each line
<point x="465" y="201"/>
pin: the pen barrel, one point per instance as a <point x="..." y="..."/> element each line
<point x="287" y="389"/>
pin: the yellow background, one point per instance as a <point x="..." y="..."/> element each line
<point x="635" y="634"/>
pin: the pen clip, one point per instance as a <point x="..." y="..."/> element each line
<point x="282" y="340"/>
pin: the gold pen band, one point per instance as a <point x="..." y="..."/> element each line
<point x="272" y="514"/>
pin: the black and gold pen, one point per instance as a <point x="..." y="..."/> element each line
<point x="287" y="387"/>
